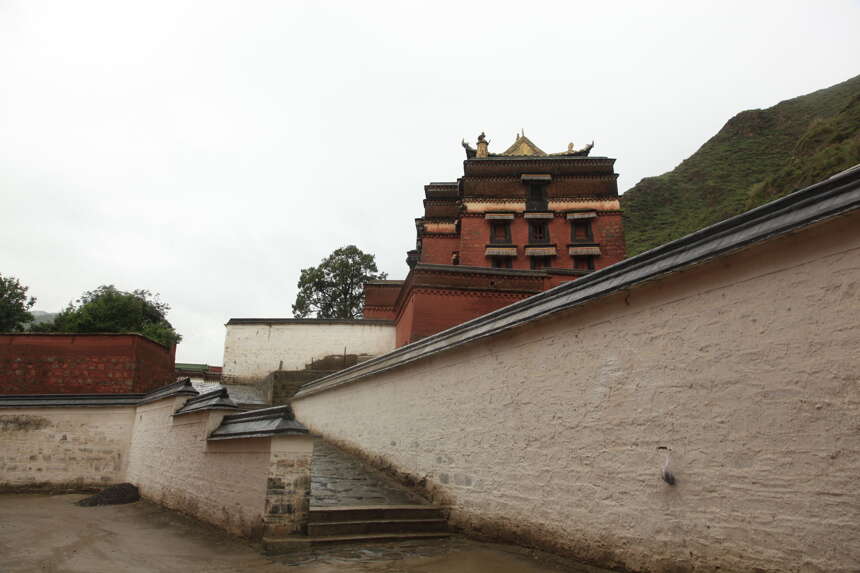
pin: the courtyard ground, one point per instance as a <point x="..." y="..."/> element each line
<point x="50" y="534"/>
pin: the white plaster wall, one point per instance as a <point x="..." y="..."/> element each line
<point x="746" y="367"/>
<point x="64" y="447"/>
<point x="253" y="351"/>
<point x="171" y="462"/>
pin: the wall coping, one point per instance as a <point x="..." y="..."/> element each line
<point x="264" y="423"/>
<point x="838" y="195"/>
<point x="84" y="335"/>
<point x="68" y="400"/>
<point x="317" y="321"/>
<point x="181" y="387"/>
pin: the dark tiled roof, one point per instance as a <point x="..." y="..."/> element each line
<point x="267" y="422"/>
<point x="181" y="387"/>
<point x="215" y="400"/>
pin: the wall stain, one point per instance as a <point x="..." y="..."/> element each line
<point x="22" y="423"/>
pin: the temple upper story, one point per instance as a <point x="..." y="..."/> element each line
<point x="524" y="209"/>
<point x="516" y="223"/>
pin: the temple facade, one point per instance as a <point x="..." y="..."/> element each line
<point x="515" y="224"/>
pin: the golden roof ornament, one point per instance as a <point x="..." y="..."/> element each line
<point x="522" y="147"/>
<point x="483" y="146"/>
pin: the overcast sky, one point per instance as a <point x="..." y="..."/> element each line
<point x="210" y="150"/>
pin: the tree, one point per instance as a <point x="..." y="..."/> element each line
<point x="108" y="309"/>
<point x="335" y="288"/>
<point x="14" y="305"/>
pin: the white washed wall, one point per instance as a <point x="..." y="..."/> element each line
<point x="253" y="351"/>
<point x="57" y="448"/>
<point x="746" y="367"/>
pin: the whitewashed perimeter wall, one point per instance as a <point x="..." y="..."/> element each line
<point x="253" y="351"/>
<point x="64" y="448"/>
<point x="172" y="463"/>
<point x="224" y="482"/>
<point x="746" y="367"/>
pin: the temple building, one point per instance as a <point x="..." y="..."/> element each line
<point x="515" y="224"/>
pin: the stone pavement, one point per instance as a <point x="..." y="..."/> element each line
<point x="340" y="479"/>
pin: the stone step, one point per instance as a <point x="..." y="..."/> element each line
<point x="375" y="513"/>
<point x="373" y="526"/>
<point x="301" y="543"/>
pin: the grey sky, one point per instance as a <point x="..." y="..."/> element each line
<point x="210" y="150"/>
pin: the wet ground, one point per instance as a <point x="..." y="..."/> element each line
<point x="51" y="534"/>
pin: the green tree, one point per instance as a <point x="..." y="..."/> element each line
<point x="335" y="288"/>
<point x="108" y="309"/>
<point x="14" y="305"/>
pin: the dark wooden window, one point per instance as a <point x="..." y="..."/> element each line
<point x="538" y="231"/>
<point x="541" y="262"/>
<point x="536" y="197"/>
<point x="580" y="231"/>
<point x="583" y="262"/>
<point x="502" y="262"/>
<point x="500" y="231"/>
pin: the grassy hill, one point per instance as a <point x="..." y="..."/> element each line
<point x="757" y="156"/>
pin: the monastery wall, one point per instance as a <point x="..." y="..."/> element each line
<point x="742" y="366"/>
<point x="255" y="348"/>
<point x="250" y="486"/>
<point x="63" y="448"/>
<point x="173" y="464"/>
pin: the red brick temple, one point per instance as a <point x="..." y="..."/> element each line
<point x="515" y="224"/>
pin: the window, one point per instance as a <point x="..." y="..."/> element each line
<point x="500" y="231"/>
<point x="538" y="231"/>
<point x="583" y="262"/>
<point x="541" y="262"/>
<point x="580" y="231"/>
<point x="502" y="262"/>
<point x="536" y="197"/>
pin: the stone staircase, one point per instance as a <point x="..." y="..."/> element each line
<point x="381" y="522"/>
<point x="352" y="502"/>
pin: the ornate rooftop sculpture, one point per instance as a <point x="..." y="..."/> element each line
<point x="521" y="147"/>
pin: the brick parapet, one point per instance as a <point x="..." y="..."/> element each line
<point x="82" y="364"/>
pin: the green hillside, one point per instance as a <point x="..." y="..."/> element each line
<point x="757" y="156"/>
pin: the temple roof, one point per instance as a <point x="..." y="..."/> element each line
<point x="523" y="146"/>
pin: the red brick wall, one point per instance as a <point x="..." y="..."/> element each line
<point x="379" y="301"/>
<point x="609" y="232"/>
<point x="607" y="229"/>
<point x="82" y="364"/>
<point x="437" y="249"/>
<point x="405" y="322"/>
<point x="429" y="311"/>
<point x="155" y="365"/>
